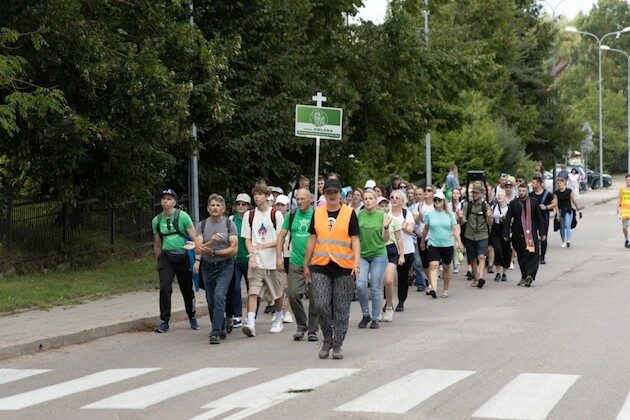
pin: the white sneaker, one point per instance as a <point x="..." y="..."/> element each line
<point x="511" y="266"/>
<point x="388" y="316"/>
<point x="288" y="318"/>
<point x="249" y="330"/>
<point x="564" y="245"/>
<point x="456" y="270"/>
<point x="276" y="326"/>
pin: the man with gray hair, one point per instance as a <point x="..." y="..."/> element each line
<point x="216" y="244"/>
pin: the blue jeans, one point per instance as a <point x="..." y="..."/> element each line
<point x="217" y="277"/>
<point x="376" y="267"/>
<point x="566" y="217"/>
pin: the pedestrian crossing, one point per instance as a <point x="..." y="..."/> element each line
<point x="527" y="396"/>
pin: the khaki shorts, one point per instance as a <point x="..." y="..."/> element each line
<point x="269" y="278"/>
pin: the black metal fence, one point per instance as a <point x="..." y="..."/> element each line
<point x="33" y="230"/>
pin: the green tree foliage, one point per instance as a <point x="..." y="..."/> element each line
<point x="129" y="72"/>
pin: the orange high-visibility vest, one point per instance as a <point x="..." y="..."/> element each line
<point x="335" y="244"/>
<point x="624" y="202"/>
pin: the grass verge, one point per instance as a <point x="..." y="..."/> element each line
<point x="44" y="290"/>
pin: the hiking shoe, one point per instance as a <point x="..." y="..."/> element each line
<point x="194" y="325"/>
<point x="223" y="335"/>
<point x="522" y="282"/>
<point x="497" y="277"/>
<point x="229" y="324"/>
<point x="276" y="326"/>
<point x="288" y="318"/>
<point x="388" y="316"/>
<point x="337" y="354"/>
<point x="421" y="288"/>
<point x="469" y="275"/>
<point x="433" y="294"/>
<point x="491" y="269"/>
<point x="375" y="325"/>
<point x="237" y="323"/>
<point x="312" y="336"/>
<point x="528" y="281"/>
<point x="364" y="321"/>
<point x="504" y="277"/>
<point x="324" y="352"/>
<point x="249" y="330"/>
<point x="400" y="307"/>
<point x="214" y="339"/>
<point x="162" y="328"/>
<point x="298" y="336"/>
<point x="480" y="283"/>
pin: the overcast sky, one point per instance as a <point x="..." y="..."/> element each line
<point x="374" y="10"/>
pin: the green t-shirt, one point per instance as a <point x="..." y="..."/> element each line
<point x="241" y="255"/>
<point x="171" y="241"/>
<point x="299" y="234"/>
<point x="394" y="226"/>
<point x="371" y="225"/>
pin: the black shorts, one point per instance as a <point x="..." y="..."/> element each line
<point x="392" y="254"/>
<point x="443" y="254"/>
<point x="424" y="255"/>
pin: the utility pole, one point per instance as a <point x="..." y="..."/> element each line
<point x="193" y="200"/>
<point x="427" y="137"/>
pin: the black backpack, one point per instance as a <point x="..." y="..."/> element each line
<point x="175" y="225"/>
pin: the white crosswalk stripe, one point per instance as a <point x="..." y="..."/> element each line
<point x="260" y="397"/>
<point x="10" y="375"/>
<point x="152" y="394"/>
<point x="405" y="393"/>
<point x="52" y="392"/>
<point x="624" y="414"/>
<point x="528" y="396"/>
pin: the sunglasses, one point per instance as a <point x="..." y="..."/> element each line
<point x="428" y="189"/>
<point x="168" y="224"/>
<point x="438" y="200"/>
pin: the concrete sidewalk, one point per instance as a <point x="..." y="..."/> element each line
<point x="33" y="331"/>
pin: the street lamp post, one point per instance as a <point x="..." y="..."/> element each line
<point x="573" y="29"/>
<point x="607" y="48"/>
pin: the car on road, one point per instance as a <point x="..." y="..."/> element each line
<point x="593" y="179"/>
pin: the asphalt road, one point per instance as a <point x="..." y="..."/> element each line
<point x="559" y="349"/>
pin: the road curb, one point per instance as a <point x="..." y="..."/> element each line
<point x="89" y="334"/>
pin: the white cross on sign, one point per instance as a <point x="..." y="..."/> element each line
<point x="319" y="98"/>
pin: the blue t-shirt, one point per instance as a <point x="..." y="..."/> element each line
<point x="440" y="228"/>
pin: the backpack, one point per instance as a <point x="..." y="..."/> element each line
<point x="291" y="217"/>
<point x="227" y="225"/>
<point x="175" y="225"/>
<point x="484" y="209"/>
<point x="273" y="220"/>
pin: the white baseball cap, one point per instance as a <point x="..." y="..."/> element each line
<point x="439" y="194"/>
<point x="244" y="198"/>
<point x="282" y="199"/>
<point x="277" y="190"/>
<point x="370" y="183"/>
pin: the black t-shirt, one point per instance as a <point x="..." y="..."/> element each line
<point x="564" y="199"/>
<point x="333" y="269"/>
<point x="548" y="198"/>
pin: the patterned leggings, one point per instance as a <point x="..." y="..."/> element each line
<point x="332" y="297"/>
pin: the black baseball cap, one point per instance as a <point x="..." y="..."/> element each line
<point x="332" y="184"/>
<point x="170" y="192"/>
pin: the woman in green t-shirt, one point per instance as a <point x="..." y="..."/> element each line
<point x="374" y="225"/>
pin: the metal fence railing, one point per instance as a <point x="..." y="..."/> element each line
<point x="37" y="229"/>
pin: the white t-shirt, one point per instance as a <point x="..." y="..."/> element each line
<point x="424" y="209"/>
<point x="263" y="231"/>
<point x="408" y="247"/>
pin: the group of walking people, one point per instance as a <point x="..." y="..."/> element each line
<point x="288" y="247"/>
